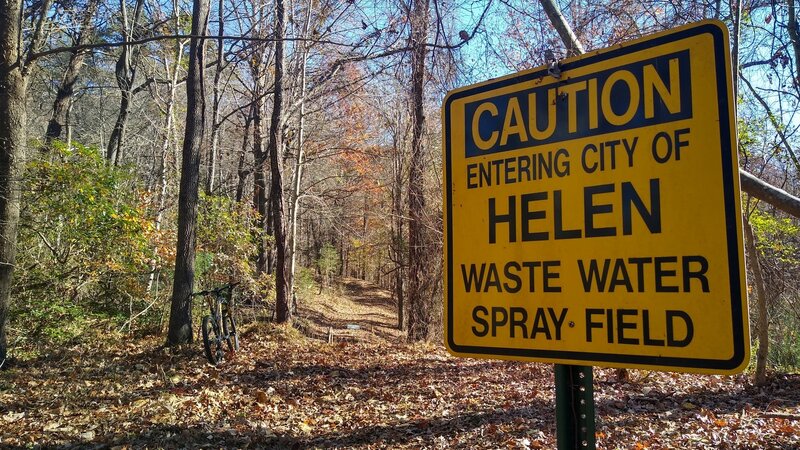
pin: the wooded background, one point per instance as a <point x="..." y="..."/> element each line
<point x="153" y="148"/>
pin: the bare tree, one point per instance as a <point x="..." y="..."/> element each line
<point x="418" y="320"/>
<point x="64" y="96"/>
<point x="180" y="319"/>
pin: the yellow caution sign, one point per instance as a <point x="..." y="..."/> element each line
<point x="592" y="212"/>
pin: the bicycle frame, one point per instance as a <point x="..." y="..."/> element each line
<point x="219" y="327"/>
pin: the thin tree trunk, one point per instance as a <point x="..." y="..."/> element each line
<point x="241" y="172"/>
<point x="169" y="133"/>
<point x="761" y="306"/>
<point x="180" y="319"/>
<point x="260" y="186"/>
<point x="215" y="125"/>
<point x="12" y="152"/>
<point x="125" y="75"/>
<point x="418" y="320"/>
<point x="558" y="21"/>
<point x="274" y="148"/>
<point x="397" y="248"/>
<point x="63" y="101"/>
<point x="300" y="160"/>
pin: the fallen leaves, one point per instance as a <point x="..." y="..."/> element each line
<point x="283" y="391"/>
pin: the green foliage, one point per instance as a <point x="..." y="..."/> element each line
<point x="83" y="242"/>
<point x="784" y="349"/>
<point x="328" y="262"/>
<point x="777" y="237"/>
<point x="304" y="281"/>
<point x="224" y="241"/>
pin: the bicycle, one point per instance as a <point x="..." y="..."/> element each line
<point x="219" y="326"/>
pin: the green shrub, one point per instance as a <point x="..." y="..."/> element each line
<point x="83" y="247"/>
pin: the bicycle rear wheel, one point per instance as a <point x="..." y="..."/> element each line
<point x="212" y="340"/>
<point x="229" y="329"/>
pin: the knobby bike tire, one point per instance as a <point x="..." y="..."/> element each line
<point x="229" y="329"/>
<point x="212" y="340"/>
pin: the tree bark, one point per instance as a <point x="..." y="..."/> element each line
<point x="125" y="75"/>
<point x="775" y="196"/>
<point x="761" y="306"/>
<point x="260" y="184"/>
<point x="63" y="100"/>
<point x="418" y="320"/>
<point x="274" y="148"/>
<point x="300" y="160"/>
<point x="216" y="125"/>
<point x="180" y="319"/>
<point x="12" y="152"/>
<point x="241" y="172"/>
<point x="558" y="21"/>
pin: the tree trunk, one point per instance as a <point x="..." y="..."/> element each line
<point x="418" y="320"/>
<point x="260" y="185"/>
<point x="170" y="135"/>
<point x="397" y="248"/>
<point x="63" y="101"/>
<point x="125" y="72"/>
<point x="12" y="152"/>
<point x="275" y="147"/>
<point x="241" y="172"/>
<point x="300" y="160"/>
<point x="215" y="124"/>
<point x="180" y="319"/>
<point x="761" y="306"/>
<point x="558" y="21"/>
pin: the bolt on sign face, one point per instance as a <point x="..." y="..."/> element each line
<point x="595" y="219"/>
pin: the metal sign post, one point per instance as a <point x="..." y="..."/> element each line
<point x="574" y="407"/>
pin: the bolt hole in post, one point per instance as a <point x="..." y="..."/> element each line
<point x="219" y="327"/>
<point x="575" y="425"/>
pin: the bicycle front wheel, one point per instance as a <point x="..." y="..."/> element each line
<point x="212" y="340"/>
<point x="229" y="328"/>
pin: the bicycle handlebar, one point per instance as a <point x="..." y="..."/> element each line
<point x="217" y="291"/>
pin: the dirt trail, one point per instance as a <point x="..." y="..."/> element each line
<point x="353" y="310"/>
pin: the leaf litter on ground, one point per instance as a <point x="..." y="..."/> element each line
<point x="282" y="390"/>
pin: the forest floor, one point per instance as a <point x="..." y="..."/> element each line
<point x="365" y="389"/>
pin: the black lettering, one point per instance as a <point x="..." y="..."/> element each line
<point x="530" y="265"/>
<point x="699" y="274"/>
<point x="480" y="321"/>
<point x="590" y="324"/>
<point x="593" y="276"/>
<point x="547" y="275"/>
<point x="651" y="218"/>
<point x="473" y="278"/>
<point x="671" y="341"/>
<point x="640" y="262"/>
<point x="528" y="215"/>
<point x="661" y="272"/>
<point x="590" y="210"/>
<point x="646" y="329"/>
<point x="620" y="276"/>
<point x="499" y="318"/>
<point x="513" y="277"/>
<point x="492" y="279"/>
<point x="558" y="321"/>
<point x="471" y="174"/>
<point x="622" y="325"/>
<point x="510" y="219"/>
<point x="509" y="170"/>
<point x="558" y="213"/>
<point x="524" y="166"/>
<point x="519" y="322"/>
<point x="540" y="324"/>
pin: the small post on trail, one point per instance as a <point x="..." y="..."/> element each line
<point x="574" y="407"/>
